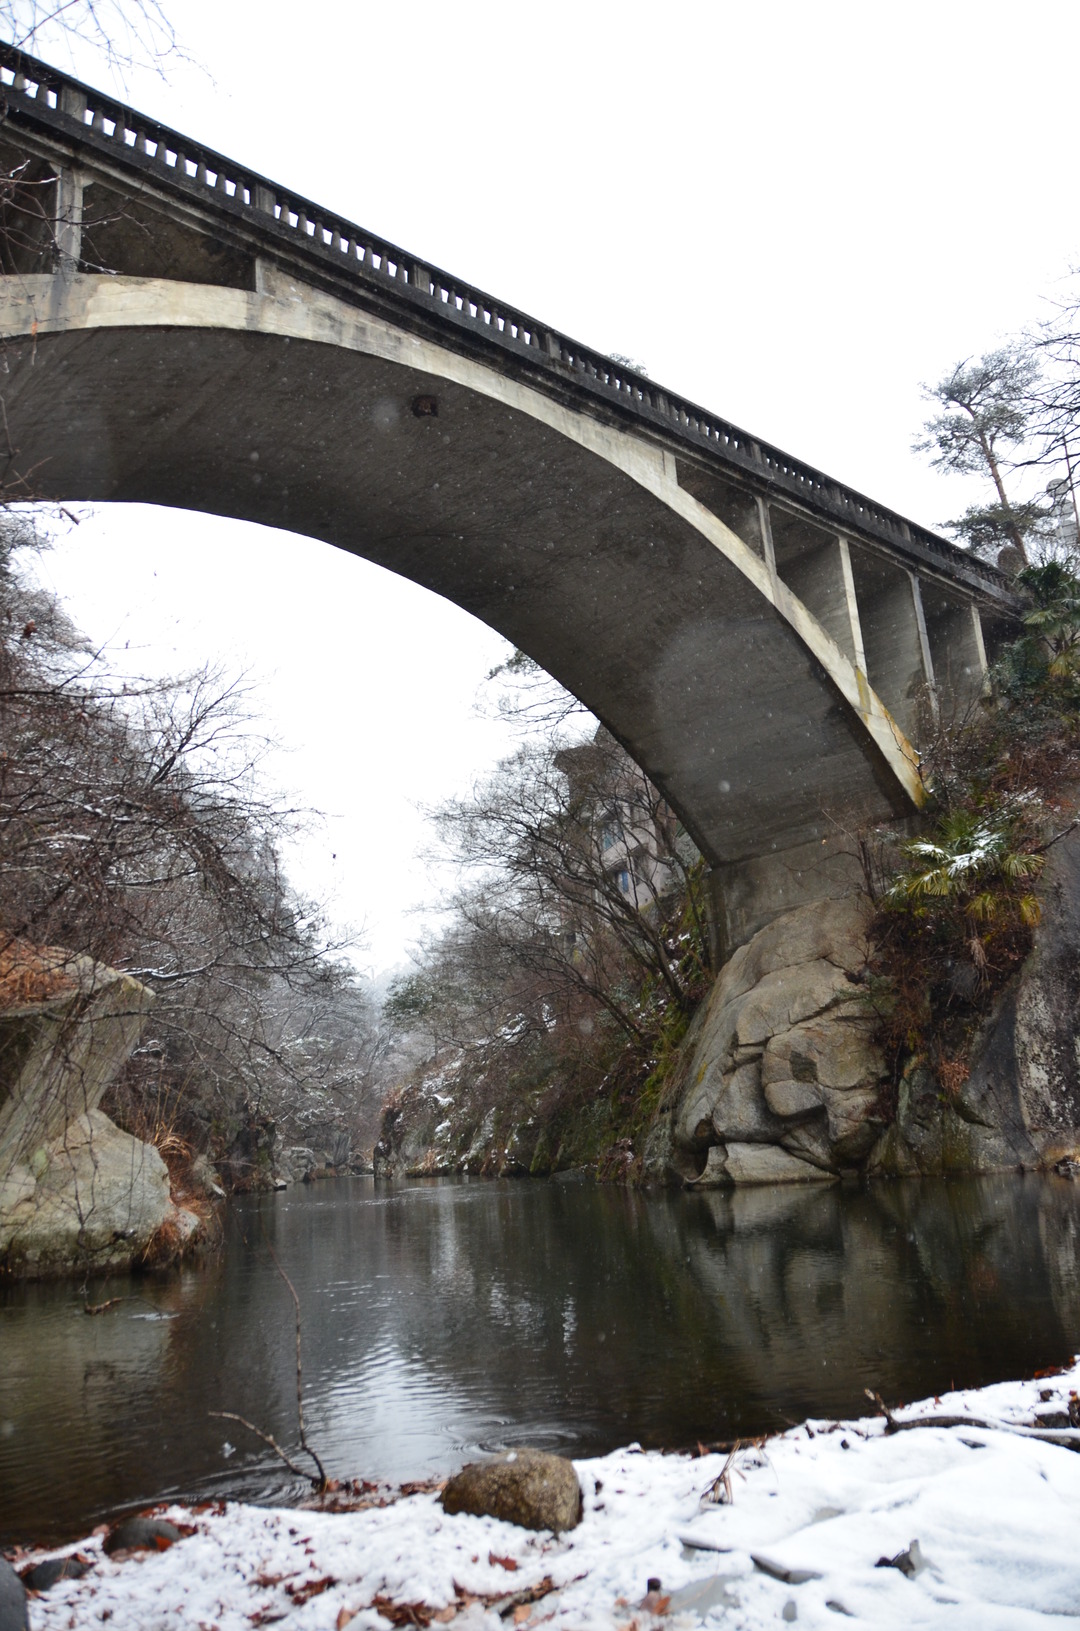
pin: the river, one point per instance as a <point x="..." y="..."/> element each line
<point x="449" y="1317"/>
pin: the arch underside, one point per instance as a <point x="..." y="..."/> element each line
<point x="575" y="547"/>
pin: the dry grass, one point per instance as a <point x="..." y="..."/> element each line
<point x="33" y="973"/>
<point x="163" y="1248"/>
<point x="952" y="1074"/>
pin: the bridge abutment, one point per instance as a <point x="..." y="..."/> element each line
<point x="745" y="896"/>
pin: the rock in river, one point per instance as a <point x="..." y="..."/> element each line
<point x="526" y="1487"/>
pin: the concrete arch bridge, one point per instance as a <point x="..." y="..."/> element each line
<point x="179" y="330"/>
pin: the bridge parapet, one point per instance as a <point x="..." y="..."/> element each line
<point x="96" y="128"/>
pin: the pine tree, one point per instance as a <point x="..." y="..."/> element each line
<point x="986" y="410"/>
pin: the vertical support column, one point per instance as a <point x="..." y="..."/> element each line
<point x="894" y="632"/>
<point x="924" y="642"/>
<point x="954" y="632"/>
<point x="765" y="522"/>
<point x="816" y="566"/>
<point x="854" y="620"/>
<point x="980" y="648"/>
<point x="69" y="219"/>
<point x="716" y="919"/>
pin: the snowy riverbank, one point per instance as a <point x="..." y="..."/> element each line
<point x="994" y="1507"/>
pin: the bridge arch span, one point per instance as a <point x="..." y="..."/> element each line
<point x="570" y="535"/>
<point x="179" y="329"/>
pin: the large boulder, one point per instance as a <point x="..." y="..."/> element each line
<point x="67" y="1024"/>
<point x="296" y="1163"/>
<point x="756" y="1164"/>
<point x="92" y="1198"/>
<point x="75" y="1192"/>
<point x="784" y="1078"/>
<point x="526" y="1487"/>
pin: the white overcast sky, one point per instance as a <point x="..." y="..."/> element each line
<point x="792" y="213"/>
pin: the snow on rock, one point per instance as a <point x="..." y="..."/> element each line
<point x="994" y="1508"/>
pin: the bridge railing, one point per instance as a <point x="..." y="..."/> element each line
<point x="34" y="90"/>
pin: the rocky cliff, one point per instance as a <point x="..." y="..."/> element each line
<point x="1020" y="1104"/>
<point x="781" y="1078"/>
<point x="784" y="1080"/>
<point x="76" y="1193"/>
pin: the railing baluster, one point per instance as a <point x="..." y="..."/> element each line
<point x="72" y="102"/>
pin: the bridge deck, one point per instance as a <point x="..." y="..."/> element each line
<point x="378" y="275"/>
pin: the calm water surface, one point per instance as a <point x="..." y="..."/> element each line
<point x="447" y="1317"/>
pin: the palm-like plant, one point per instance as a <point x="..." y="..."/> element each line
<point x="1054" y="618"/>
<point x="976" y="864"/>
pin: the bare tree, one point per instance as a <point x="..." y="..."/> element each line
<point x="134" y="829"/>
<point x="581" y="862"/>
<point x="529" y="699"/>
<point x="124" y="32"/>
<point x="582" y="897"/>
<point x="1055" y="408"/>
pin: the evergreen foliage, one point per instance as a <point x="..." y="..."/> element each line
<point x="959" y="901"/>
<point x="985" y="415"/>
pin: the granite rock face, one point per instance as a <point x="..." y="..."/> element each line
<point x="1034" y="1046"/>
<point x="76" y="1193"/>
<point x="1020" y="1105"/>
<point x="526" y="1487"/>
<point x="91" y="1198"/>
<point x="756" y="1164"/>
<point x="784" y="1079"/>
<point x="60" y="1052"/>
<point x="295" y="1163"/>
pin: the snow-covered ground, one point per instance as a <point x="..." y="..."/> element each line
<point x="995" y="1512"/>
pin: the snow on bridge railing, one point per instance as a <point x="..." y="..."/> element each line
<point x="70" y="108"/>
